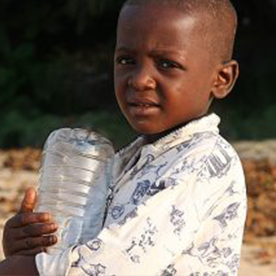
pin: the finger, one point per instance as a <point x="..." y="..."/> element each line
<point x="31" y="243"/>
<point x="36" y="230"/>
<point x="28" y="202"/>
<point x="22" y="219"/>
<point x="31" y="252"/>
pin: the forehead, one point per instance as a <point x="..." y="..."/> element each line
<point x="162" y="25"/>
<point x="152" y="11"/>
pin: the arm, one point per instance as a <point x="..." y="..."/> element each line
<point x="19" y="265"/>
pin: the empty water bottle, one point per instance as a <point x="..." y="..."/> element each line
<point x="74" y="180"/>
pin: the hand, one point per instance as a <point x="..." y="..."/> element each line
<point x="28" y="233"/>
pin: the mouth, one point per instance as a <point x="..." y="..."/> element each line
<point x="146" y="102"/>
<point x="143" y="108"/>
<point x="141" y="104"/>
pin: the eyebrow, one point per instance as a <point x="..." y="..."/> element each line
<point x="154" y="53"/>
<point x="179" y="54"/>
<point x="124" y="49"/>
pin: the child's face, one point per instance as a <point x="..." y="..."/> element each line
<point x="163" y="72"/>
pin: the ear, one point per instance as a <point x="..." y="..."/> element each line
<point x="225" y="80"/>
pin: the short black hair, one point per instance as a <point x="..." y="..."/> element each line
<point x="220" y="23"/>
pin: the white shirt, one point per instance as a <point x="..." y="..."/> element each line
<point x="176" y="207"/>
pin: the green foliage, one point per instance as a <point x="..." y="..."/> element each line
<point x="56" y="60"/>
<point x="83" y="11"/>
<point x="110" y="124"/>
<point x="242" y="125"/>
<point x="20" y="130"/>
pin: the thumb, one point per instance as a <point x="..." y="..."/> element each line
<point x="29" y="200"/>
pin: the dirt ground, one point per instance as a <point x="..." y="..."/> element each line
<point x="19" y="170"/>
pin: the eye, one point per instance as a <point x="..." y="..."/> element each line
<point x="124" y="60"/>
<point x="167" y="64"/>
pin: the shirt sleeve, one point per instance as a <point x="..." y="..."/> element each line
<point x="198" y="220"/>
<point x="216" y="247"/>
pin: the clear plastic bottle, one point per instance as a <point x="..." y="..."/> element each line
<point x="74" y="180"/>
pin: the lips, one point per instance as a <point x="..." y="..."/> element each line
<point x="142" y="102"/>
<point x="143" y="107"/>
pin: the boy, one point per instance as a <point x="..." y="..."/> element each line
<point x="177" y="203"/>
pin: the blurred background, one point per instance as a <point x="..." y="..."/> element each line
<point x="56" y="70"/>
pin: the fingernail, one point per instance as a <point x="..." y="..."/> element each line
<point x="48" y="216"/>
<point x="53" y="226"/>
<point x="51" y="239"/>
<point x="45" y="217"/>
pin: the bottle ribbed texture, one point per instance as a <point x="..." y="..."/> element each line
<point x="74" y="178"/>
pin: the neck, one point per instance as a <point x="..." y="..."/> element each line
<point x="151" y="138"/>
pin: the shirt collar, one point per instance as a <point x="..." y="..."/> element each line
<point x="208" y="123"/>
<point x="138" y="147"/>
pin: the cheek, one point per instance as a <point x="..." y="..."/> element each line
<point x="120" y="93"/>
<point x="119" y="85"/>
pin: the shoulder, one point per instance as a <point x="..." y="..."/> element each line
<point x="210" y="163"/>
<point x="209" y="150"/>
<point x="224" y="166"/>
<point x="222" y="158"/>
<point x="205" y="149"/>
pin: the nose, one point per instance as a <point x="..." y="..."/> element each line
<point x="142" y="79"/>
